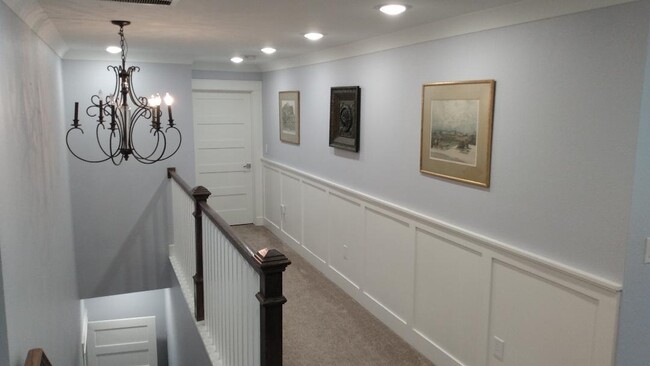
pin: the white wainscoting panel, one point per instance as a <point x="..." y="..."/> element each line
<point x="346" y="239"/>
<point x="451" y="322"/>
<point x="272" y="197"/>
<point x="447" y="291"/>
<point x="315" y="229"/>
<point x="388" y="277"/>
<point x="292" y="203"/>
<point x="541" y="322"/>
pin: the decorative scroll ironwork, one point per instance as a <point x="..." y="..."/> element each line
<point x="123" y="111"/>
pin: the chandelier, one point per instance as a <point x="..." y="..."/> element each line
<point x="118" y="115"/>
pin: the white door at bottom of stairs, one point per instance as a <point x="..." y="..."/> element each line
<point x="122" y="342"/>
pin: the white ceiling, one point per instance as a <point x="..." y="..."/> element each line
<point x="212" y="31"/>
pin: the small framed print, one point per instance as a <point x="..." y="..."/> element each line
<point x="290" y="116"/>
<point x="345" y="117"/>
<point x="456" y="139"/>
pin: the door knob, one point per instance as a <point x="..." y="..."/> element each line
<point x="247" y="165"/>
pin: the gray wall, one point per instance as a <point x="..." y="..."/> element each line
<point x="41" y="305"/>
<point x="565" y="127"/>
<point x="120" y="212"/>
<point x="184" y="343"/>
<point x="634" y="323"/>
<point x="133" y="305"/>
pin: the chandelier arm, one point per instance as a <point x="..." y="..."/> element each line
<point x="117" y="151"/>
<point x="139" y="113"/>
<point x="94" y="103"/>
<point x="154" y="149"/>
<point x="116" y="89"/>
<point x="116" y="163"/>
<point x="110" y="152"/>
<point x="180" y="140"/>
<point x="74" y="154"/>
<point x="147" y="160"/>
<point x="140" y="157"/>
<point x="138" y="101"/>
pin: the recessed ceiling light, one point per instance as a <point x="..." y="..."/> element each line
<point x="393" y="9"/>
<point x="313" y="36"/>
<point x="113" y="49"/>
<point x="268" y="50"/>
<point x="237" y="59"/>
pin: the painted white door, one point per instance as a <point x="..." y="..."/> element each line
<point x="222" y="125"/>
<point x="122" y="342"/>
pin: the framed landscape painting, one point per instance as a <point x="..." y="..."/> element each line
<point x="345" y="117"/>
<point x="456" y="139"/>
<point x="290" y="116"/>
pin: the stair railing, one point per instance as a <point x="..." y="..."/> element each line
<point x="237" y="292"/>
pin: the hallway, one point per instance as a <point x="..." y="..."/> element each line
<point x="323" y="325"/>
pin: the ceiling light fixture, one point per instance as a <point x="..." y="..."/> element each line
<point x="393" y="9"/>
<point x="237" y="59"/>
<point x="113" y="49"/>
<point x="268" y="50"/>
<point x="124" y="109"/>
<point x="313" y="36"/>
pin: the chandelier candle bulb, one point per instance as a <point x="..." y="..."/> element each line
<point x="168" y="99"/>
<point x="75" y="121"/>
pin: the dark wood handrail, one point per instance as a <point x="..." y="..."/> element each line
<point x="268" y="263"/>
<point x="171" y="174"/>
<point x="227" y="231"/>
<point x="244" y="250"/>
<point x="37" y="357"/>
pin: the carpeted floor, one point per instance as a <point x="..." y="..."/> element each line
<point x="322" y="324"/>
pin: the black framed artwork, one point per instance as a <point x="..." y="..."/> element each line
<point x="345" y="117"/>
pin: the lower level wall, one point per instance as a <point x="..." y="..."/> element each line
<point x="452" y="294"/>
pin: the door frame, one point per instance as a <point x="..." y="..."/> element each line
<point x="254" y="88"/>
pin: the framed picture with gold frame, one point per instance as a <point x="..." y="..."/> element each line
<point x="456" y="138"/>
<point x="290" y="116"/>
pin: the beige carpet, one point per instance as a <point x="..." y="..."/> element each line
<point x="322" y="324"/>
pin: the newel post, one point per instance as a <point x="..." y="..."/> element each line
<point x="272" y="264"/>
<point x="200" y="194"/>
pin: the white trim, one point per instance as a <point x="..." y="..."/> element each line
<point x="255" y="90"/>
<point x="502" y="248"/>
<point x="437" y="268"/>
<point x="502" y="16"/>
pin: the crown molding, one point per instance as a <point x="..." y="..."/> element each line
<point x="503" y="16"/>
<point x="134" y="56"/>
<point x="37" y="20"/>
<point x="220" y="66"/>
<point x="507" y="15"/>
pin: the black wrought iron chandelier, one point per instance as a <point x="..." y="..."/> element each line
<point x="122" y="111"/>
